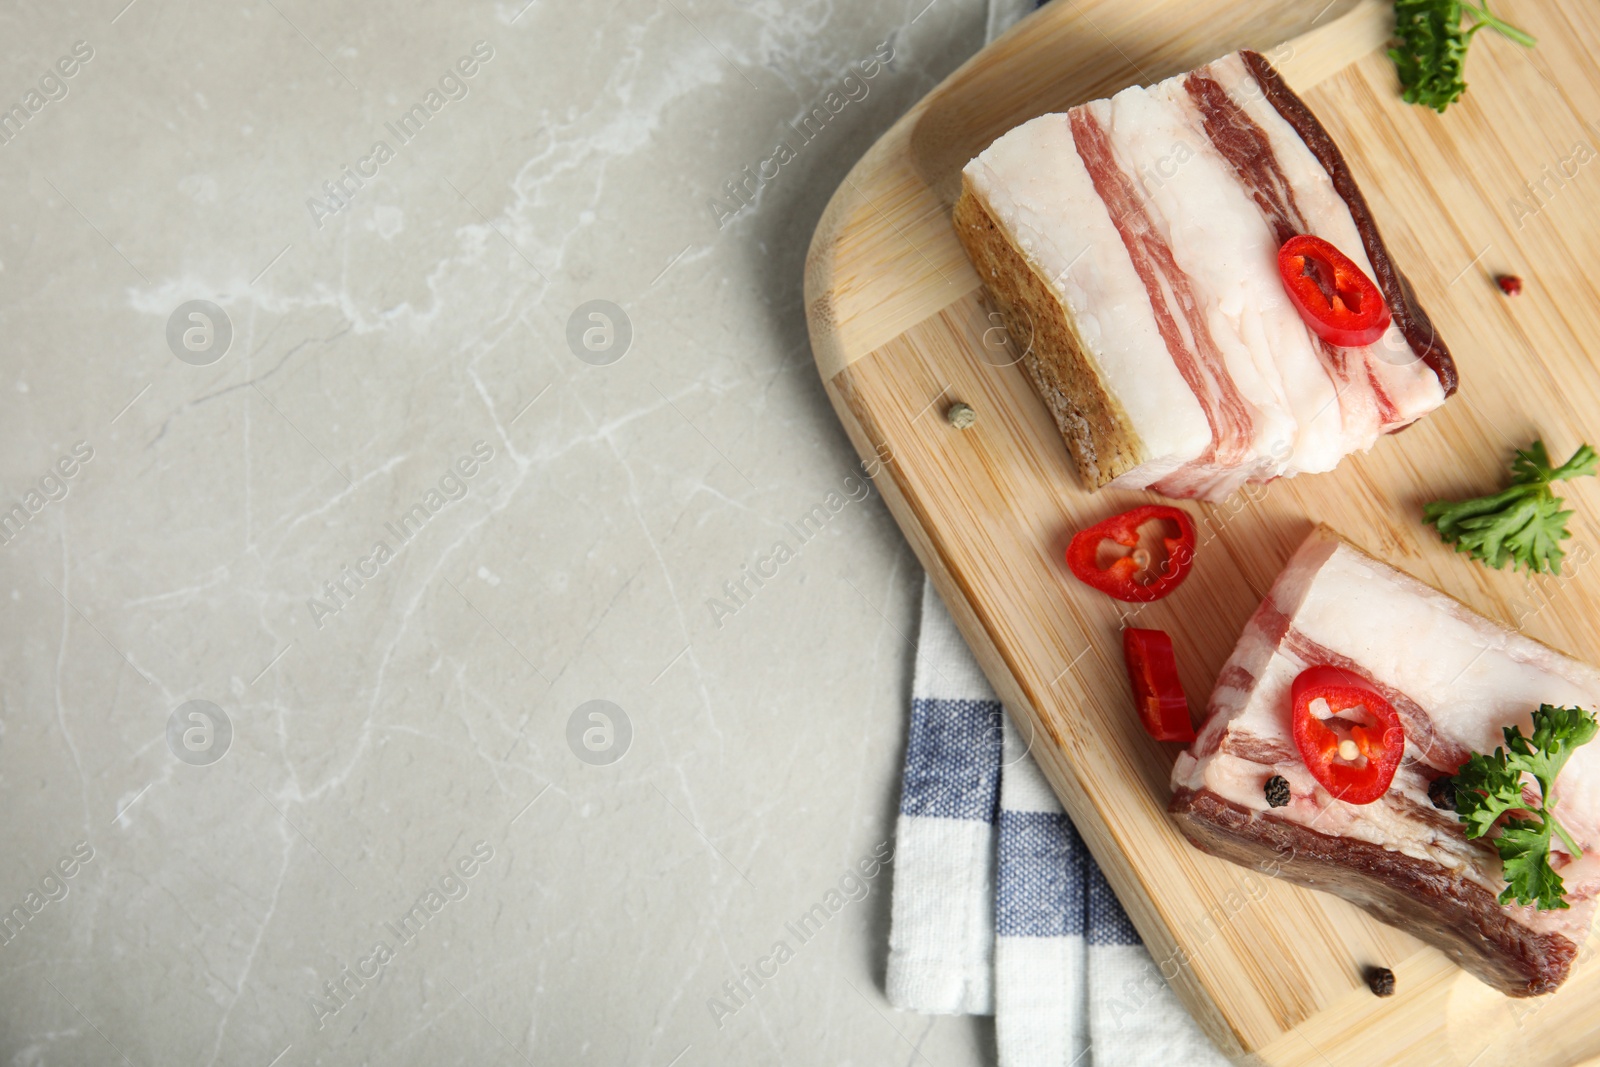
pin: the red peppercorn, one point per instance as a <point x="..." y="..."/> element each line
<point x="1509" y="284"/>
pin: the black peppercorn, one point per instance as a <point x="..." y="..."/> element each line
<point x="1277" y="791"/>
<point x="1381" y="981"/>
<point x="1442" y="791"/>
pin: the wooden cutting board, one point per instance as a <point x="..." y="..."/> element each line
<point x="901" y="328"/>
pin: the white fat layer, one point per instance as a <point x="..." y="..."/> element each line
<point x="1037" y="190"/>
<point x="1471" y="676"/>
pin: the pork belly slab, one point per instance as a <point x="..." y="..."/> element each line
<point x="1132" y="245"/>
<point x="1455" y="679"/>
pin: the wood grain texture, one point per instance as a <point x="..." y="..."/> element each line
<point x="901" y="328"/>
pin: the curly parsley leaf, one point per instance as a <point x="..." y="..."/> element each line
<point x="1489" y="787"/>
<point x="1432" y="50"/>
<point x="1525" y="524"/>
<point x="1525" y="861"/>
<point x="1495" y="788"/>
<point x="1556" y="733"/>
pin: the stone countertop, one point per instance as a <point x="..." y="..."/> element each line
<point x="382" y="389"/>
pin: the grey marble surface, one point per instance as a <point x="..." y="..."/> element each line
<point x="273" y="795"/>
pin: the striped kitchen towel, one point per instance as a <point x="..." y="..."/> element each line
<point x="941" y="936"/>
<point x="997" y="905"/>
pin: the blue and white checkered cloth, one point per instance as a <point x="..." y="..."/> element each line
<point x="998" y="906"/>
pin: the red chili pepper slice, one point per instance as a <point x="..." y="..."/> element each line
<point x="1347" y="733"/>
<point x="1334" y="296"/>
<point x="1138" y="556"/>
<point x="1157" y="693"/>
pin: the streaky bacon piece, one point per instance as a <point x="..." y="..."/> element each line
<point x="1456" y="679"/>
<point x="1134" y="241"/>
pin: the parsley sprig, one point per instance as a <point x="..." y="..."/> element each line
<point x="1525" y="524"/>
<point x="1433" y="47"/>
<point x="1488" y="787"/>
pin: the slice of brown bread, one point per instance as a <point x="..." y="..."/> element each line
<point x="1098" y="433"/>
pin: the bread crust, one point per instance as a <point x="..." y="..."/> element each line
<point x="1064" y="373"/>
